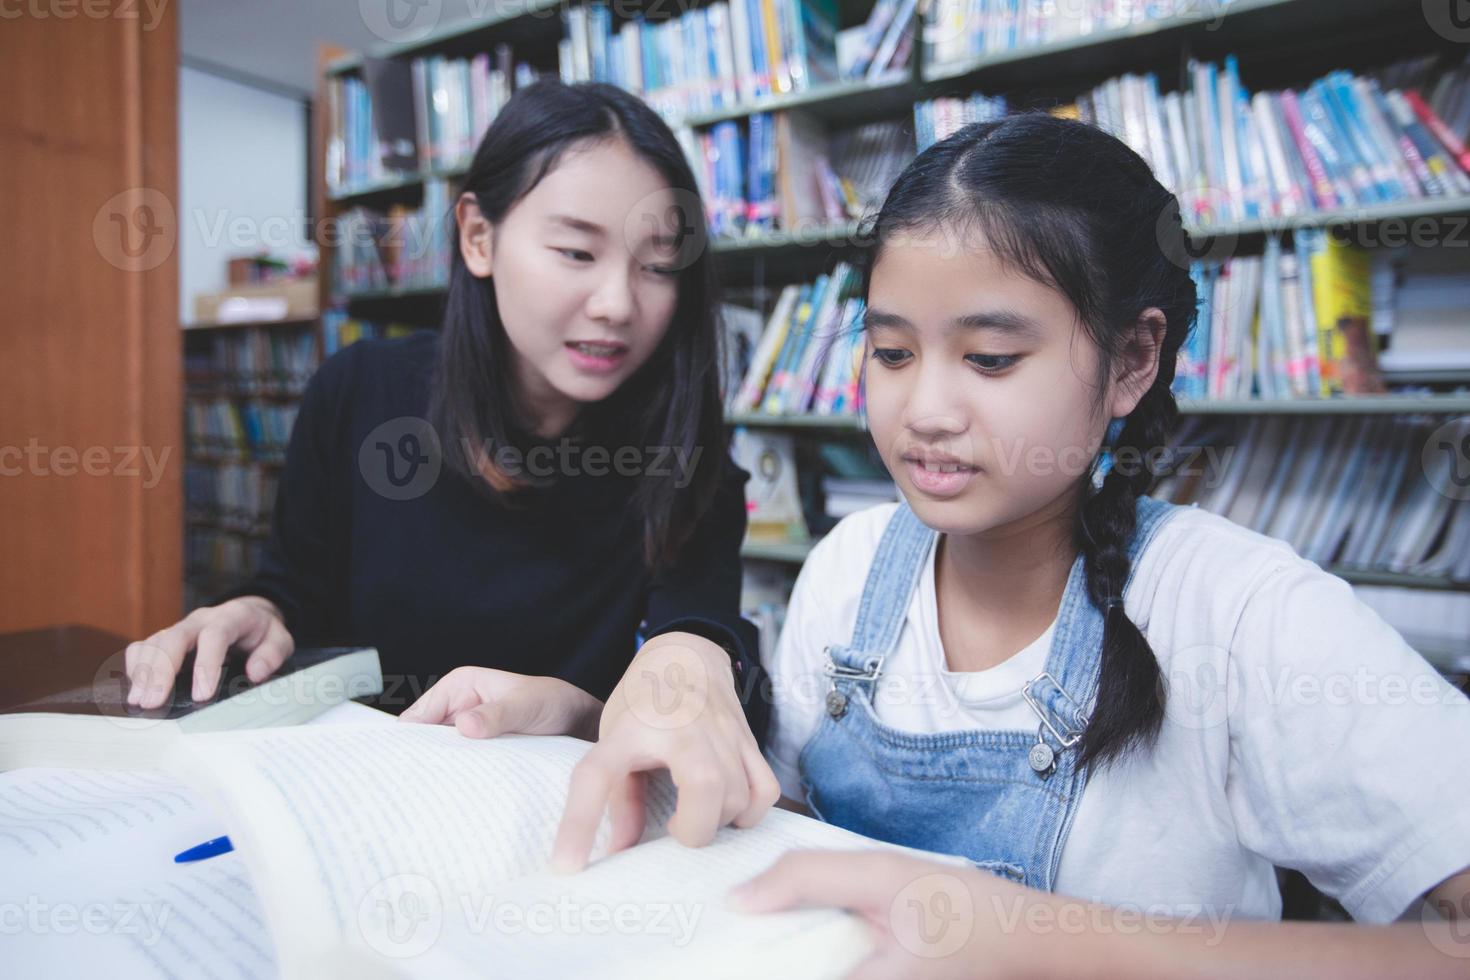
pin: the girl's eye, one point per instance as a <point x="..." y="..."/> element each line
<point x="576" y="254"/>
<point x="890" y="356"/>
<point x="992" y="362"/>
<point x="663" y="270"/>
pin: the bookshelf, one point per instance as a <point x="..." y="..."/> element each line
<point x="242" y="386"/>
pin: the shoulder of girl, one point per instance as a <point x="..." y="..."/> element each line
<point x="1229" y="559"/>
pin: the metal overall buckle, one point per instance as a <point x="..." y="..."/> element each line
<point x="836" y="699"/>
<point x="1042" y="757"/>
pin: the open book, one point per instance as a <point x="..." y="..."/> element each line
<point x="410" y="850"/>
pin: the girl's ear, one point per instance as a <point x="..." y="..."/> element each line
<point x="1138" y="366"/>
<point x="476" y="236"/>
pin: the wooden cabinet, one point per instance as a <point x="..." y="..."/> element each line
<point x="91" y="449"/>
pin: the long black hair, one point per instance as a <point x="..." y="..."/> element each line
<point x="1076" y="209"/>
<point x="672" y="401"/>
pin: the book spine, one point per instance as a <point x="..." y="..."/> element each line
<point x="1443" y="133"/>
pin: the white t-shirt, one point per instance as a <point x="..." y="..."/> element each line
<point x="1301" y="729"/>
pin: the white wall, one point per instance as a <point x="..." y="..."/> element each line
<point x="242" y="179"/>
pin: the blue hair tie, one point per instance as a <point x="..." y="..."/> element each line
<point x="1110" y="439"/>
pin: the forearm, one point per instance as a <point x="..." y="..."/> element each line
<point x="1101" y="941"/>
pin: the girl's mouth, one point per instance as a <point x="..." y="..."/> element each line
<point x="596" y="356"/>
<point x="936" y="478"/>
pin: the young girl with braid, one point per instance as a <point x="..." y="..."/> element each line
<point x="1079" y="689"/>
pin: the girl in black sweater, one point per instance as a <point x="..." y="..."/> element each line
<point x="529" y="489"/>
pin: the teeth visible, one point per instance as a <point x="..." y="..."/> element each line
<point x="598" y="350"/>
<point x="941" y="467"/>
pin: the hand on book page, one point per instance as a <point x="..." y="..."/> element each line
<point x="412" y="842"/>
<point x="676" y="708"/>
<point x="658" y="911"/>
<point x="482" y="702"/>
<point x="91" y="888"/>
<point x="930" y="920"/>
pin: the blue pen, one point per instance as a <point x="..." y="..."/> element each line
<point x="209" y="849"/>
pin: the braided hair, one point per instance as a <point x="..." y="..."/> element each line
<point x="1077" y="210"/>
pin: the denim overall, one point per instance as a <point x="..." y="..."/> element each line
<point x="1003" y="799"/>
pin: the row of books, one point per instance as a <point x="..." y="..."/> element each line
<point x="238" y="430"/>
<point x="710" y="57"/>
<point x="1359" y="493"/>
<point x="959" y="30"/>
<point x="403" y="247"/>
<point x="1344" y="141"/>
<point x="884" y="43"/>
<point x="937" y="119"/>
<point x="456" y="99"/>
<point x="786" y="171"/>
<point x="1289" y="323"/>
<point x="230" y="496"/>
<point x="809" y="356"/>
<point x="427" y="114"/>
<point x="250" y="361"/>
<point x="353" y="156"/>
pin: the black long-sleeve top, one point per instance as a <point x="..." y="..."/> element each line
<point x="436" y="574"/>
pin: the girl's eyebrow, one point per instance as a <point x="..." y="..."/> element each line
<point x="577" y="224"/>
<point x="1009" y="322"/>
<point x="659" y="240"/>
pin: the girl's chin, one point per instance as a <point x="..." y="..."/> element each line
<point x="585" y="390"/>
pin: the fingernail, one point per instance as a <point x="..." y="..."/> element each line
<point x="132" y="695"/>
<point x="254" y="671"/>
<point x="471" y="725"/>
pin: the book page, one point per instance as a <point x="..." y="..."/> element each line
<point x="340" y="824"/>
<point x="91" y="888"/>
<point x="656" y="911"/>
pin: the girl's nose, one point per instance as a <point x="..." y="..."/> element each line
<point x="935" y="406"/>
<point x="612" y="301"/>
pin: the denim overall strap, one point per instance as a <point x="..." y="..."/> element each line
<point x="1063" y="694"/>
<point x="892" y="577"/>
